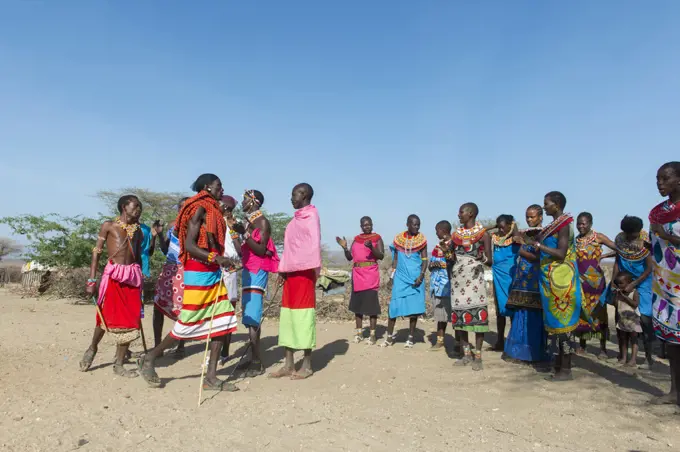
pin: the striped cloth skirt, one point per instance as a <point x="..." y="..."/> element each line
<point x="204" y="294"/>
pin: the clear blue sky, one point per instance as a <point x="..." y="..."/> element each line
<point x="386" y="107"/>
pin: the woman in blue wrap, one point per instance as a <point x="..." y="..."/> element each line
<point x="409" y="263"/>
<point x="503" y="268"/>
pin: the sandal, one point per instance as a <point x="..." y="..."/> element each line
<point x="177" y="353"/>
<point x="254" y="369"/>
<point x="389" y="341"/>
<point x="121" y="371"/>
<point x="220" y="386"/>
<point x="410" y="342"/>
<point x="148" y="373"/>
<point x="477" y="363"/>
<point x="301" y="374"/>
<point x="371" y="340"/>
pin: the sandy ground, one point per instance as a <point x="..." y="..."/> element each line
<point x="361" y="398"/>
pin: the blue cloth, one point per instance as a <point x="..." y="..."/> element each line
<point x="440" y="284"/>
<point x="146" y="246"/>
<point x="254" y="286"/>
<point x="406" y="299"/>
<point x="527" y="339"/>
<point x="503" y="268"/>
<point x="172" y="256"/>
<point x="636" y="268"/>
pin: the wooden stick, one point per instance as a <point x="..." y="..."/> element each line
<point x="141" y="330"/>
<point x="207" y="341"/>
<point x="101" y="317"/>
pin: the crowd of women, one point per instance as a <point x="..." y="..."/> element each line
<point x="547" y="279"/>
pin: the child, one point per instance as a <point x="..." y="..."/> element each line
<point x="628" y="325"/>
<point x="469" y="304"/>
<point x="440" y="282"/>
<point x="633" y="256"/>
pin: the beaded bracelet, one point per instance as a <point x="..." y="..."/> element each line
<point x="97" y="250"/>
<point x="211" y="257"/>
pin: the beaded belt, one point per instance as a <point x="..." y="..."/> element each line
<point x="365" y="264"/>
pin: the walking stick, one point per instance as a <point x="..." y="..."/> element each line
<point x="207" y="341"/>
<point x="99" y="312"/>
<point x="141" y="330"/>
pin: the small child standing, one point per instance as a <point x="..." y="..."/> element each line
<point x="628" y="324"/>
<point x="440" y="282"/>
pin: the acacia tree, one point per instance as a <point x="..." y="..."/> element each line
<point x="55" y="240"/>
<point x="8" y="247"/>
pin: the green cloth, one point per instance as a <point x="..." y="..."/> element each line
<point x="473" y="329"/>
<point x="297" y="328"/>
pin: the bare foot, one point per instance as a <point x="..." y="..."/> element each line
<point x="282" y="372"/>
<point x="301" y="374"/>
<point x="580" y="351"/>
<point x="119" y="370"/>
<point x="88" y="357"/>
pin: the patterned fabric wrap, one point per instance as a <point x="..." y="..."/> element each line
<point x="525" y="291"/>
<point x="666" y="274"/>
<point x="170" y="290"/>
<point x="214" y="223"/>
<point x="593" y="283"/>
<point x="204" y="294"/>
<point x="440" y="284"/>
<point x="469" y="301"/>
<point x="561" y="292"/>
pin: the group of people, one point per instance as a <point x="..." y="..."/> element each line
<point x="197" y="289"/>
<point x="547" y="280"/>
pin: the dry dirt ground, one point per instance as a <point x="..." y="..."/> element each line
<point x="361" y="398"/>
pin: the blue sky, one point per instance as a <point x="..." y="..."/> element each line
<point x="386" y="107"/>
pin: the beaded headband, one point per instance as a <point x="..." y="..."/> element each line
<point x="251" y="194"/>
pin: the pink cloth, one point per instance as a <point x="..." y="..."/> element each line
<point x="364" y="278"/>
<point x="302" y="242"/>
<point x="254" y="263"/>
<point x="130" y="275"/>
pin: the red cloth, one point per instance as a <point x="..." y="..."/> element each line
<point x="299" y="290"/>
<point x="122" y="306"/>
<point x="214" y="223"/>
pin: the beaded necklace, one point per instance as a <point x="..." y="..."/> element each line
<point x="556" y="224"/>
<point x="505" y="240"/>
<point x="254" y="216"/>
<point x="130" y="229"/>
<point x="635" y="250"/>
<point x="585" y="241"/>
<point x="410" y="244"/>
<point x="467" y="237"/>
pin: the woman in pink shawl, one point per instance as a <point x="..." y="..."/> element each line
<point x="298" y="269"/>
<point x="367" y="249"/>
